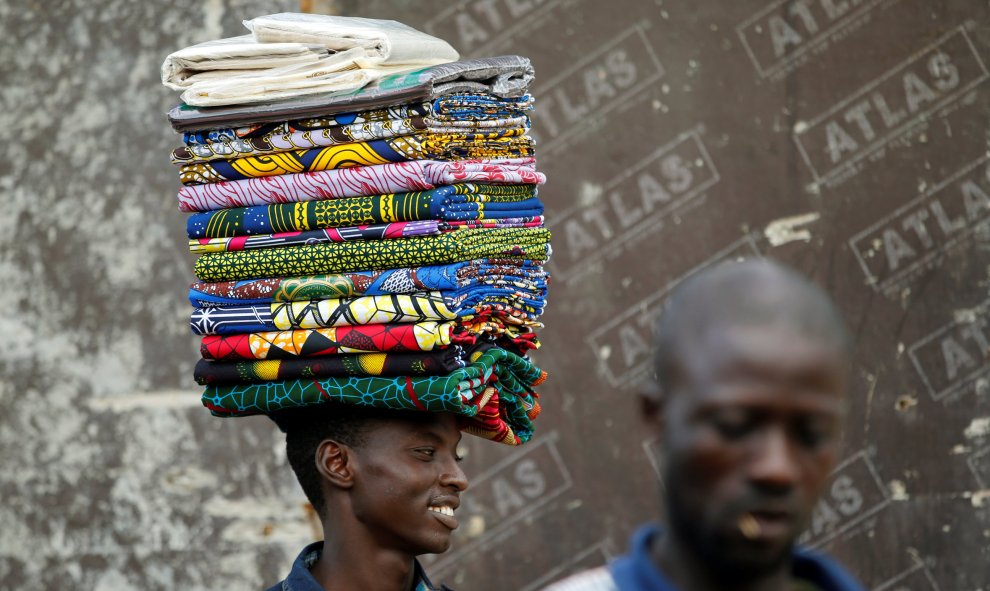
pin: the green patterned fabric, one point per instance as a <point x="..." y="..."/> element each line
<point x="351" y="211"/>
<point x="461" y="391"/>
<point x="341" y="257"/>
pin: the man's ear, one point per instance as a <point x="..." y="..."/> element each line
<point x="651" y="405"/>
<point x="335" y="462"/>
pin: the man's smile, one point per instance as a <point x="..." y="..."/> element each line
<point x="444" y="514"/>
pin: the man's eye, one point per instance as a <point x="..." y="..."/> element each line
<point x="733" y="427"/>
<point x="426" y="451"/>
<point x="813" y="435"/>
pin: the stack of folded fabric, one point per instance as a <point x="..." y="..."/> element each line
<point x="380" y="244"/>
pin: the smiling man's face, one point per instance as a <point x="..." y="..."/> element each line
<point x="750" y="436"/>
<point x="407" y="483"/>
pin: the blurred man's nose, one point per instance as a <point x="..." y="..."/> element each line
<point x="773" y="465"/>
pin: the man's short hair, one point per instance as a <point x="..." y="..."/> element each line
<point x="740" y="292"/>
<point x="306" y="428"/>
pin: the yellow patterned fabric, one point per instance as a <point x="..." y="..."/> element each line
<point x="510" y="143"/>
<point x="393" y="308"/>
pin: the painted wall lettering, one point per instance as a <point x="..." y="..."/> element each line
<point x="635" y="201"/>
<point x="954" y="356"/>
<point x="786" y="29"/>
<point x="623" y="345"/>
<point x="593" y="86"/>
<point x="889" y="106"/>
<point x="913" y="238"/>
<point x="474" y="26"/>
<point x="511" y="490"/>
<point x="854" y="494"/>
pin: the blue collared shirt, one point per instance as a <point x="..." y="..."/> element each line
<point x="636" y="570"/>
<point x="300" y="579"/>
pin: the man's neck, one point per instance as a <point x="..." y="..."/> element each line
<point x="349" y="564"/>
<point x="686" y="571"/>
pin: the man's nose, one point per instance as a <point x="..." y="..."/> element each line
<point x="454" y="476"/>
<point x="773" y="465"/>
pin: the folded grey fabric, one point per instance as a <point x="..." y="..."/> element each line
<point x="506" y="76"/>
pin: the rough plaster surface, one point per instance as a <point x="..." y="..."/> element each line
<point x="151" y="494"/>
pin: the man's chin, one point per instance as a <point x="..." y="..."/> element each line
<point x="435" y="545"/>
<point x="747" y="559"/>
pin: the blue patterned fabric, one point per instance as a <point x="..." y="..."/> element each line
<point x="470" y="280"/>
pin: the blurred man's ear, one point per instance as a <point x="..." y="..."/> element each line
<point x="651" y="405"/>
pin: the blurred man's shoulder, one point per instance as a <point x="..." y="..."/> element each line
<point x="596" y="579"/>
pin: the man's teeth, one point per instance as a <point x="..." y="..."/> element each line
<point x="443" y="510"/>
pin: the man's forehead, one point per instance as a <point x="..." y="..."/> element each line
<point x="752" y="292"/>
<point x="761" y="348"/>
<point x="765" y="359"/>
<point x="761" y="338"/>
<point x="428" y="425"/>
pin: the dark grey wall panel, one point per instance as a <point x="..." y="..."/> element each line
<point x="847" y="138"/>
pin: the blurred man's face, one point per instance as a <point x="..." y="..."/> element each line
<point x="750" y="437"/>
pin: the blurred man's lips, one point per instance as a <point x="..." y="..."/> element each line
<point x="766" y="525"/>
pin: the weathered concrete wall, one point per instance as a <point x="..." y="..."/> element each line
<point x="111" y="474"/>
<point x="848" y="138"/>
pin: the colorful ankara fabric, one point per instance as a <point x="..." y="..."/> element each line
<point x="341" y="257"/>
<point x="472" y="112"/>
<point x="357" y="365"/>
<point x="341" y="124"/>
<point x="422" y="146"/>
<point x="456" y="277"/>
<point x="372" y="232"/>
<point x="386" y="309"/>
<point x="459" y="108"/>
<point x="422" y="336"/>
<point x="224" y="147"/>
<point x="497" y="385"/>
<point x="532" y="221"/>
<point x="505" y="77"/>
<point x="451" y="202"/>
<point x="285" y="137"/>
<point x="399" y="177"/>
<point x="499" y="307"/>
<point x="524" y="297"/>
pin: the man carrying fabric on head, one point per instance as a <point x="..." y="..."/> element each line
<point x="385" y="484"/>
<point x="750" y="380"/>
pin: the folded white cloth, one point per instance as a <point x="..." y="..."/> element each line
<point x="334" y="73"/>
<point x="290" y="55"/>
<point x="233" y="56"/>
<point x="384" y="42"/>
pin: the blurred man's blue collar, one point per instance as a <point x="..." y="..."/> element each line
<point x="636" y="571"/>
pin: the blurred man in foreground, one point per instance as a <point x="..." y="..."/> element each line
<point x="748" y="402"/>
